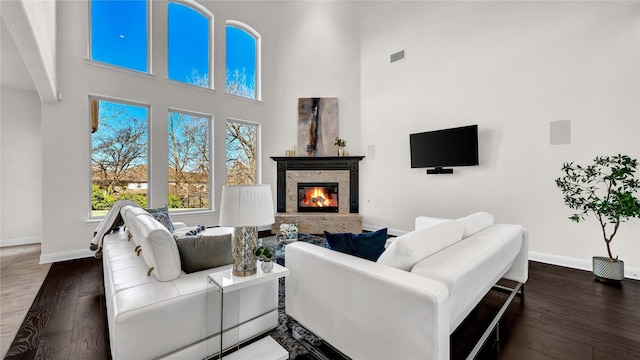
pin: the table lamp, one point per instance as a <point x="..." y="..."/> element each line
<point x="245" y="207"/>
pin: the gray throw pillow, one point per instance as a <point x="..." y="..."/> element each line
<point x="203" y="252"/>
<point x="162" y="215"/>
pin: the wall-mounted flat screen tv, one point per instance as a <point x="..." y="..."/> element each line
<point x="446" y="147"/>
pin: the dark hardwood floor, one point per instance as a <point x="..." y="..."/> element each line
<point x="67" y="319"/>
<point x="566" y="314"/>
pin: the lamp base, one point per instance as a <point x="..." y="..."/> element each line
<point x="245" y="241"/>
<point x="244" y="273"/>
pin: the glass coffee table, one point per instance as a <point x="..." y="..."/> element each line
<point x="277" y="246"/>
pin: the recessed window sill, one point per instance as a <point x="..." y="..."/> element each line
<point x="244" y="98"/>
<point x="191" y="86"/>
<point x="119" y="69"/>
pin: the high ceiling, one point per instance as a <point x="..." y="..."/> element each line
<point x="13" y="71"/>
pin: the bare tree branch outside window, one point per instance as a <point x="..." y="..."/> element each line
<point x="188" y="161"/>
<point x="119" y="155"/>
<point x="241" y="139"/>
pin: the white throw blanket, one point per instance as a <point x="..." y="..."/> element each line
<point x="108" y="223"/>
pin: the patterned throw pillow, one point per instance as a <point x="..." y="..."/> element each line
<point x="162" y="215"/>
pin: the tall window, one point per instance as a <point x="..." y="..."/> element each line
<point x="119" y="33"/>
<point x="241" y="152"/>
<point x="119" y="156"/>
<point x="243" y="60"/>
<point x="189" y="154"/>
<point x="189" y="46"/>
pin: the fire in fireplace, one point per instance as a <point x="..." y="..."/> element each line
<point x="318" y="197"/>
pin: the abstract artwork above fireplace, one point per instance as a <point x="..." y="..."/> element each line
<point x="317" y="126"/>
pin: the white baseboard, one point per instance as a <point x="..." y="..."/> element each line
<point x="575" y="263"/>
<point x="66" y="255"/>
<point x="20" y="241"/>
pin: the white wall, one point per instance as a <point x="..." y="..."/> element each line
<point x="33" y="26"/>
<point x="20" y="167"/>
<point x="66" y="229"/>
<point x="511" y="68"/>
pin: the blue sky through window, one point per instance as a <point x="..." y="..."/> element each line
<point x="119" y="33"/>
<point x="241" y="57"/>
<point x="241" y="50"/>
<point x="188" y="44"/>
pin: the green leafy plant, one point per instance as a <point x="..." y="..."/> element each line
<point x="340" y="142"/>
<point x="605" y="189"/>
<point x="264" y="253"/>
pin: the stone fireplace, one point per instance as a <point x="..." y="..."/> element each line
<point x="333" y="207"/>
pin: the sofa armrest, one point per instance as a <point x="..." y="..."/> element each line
<point x="178" y="225"/>
<point x="365" y="309"/>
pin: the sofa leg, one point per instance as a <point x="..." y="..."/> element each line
<point x="495" y="324"/>
<point x="521" y="292"/>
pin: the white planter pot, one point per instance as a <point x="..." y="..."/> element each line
<point x="606" y="270"/>
<point x="266" y="266"/>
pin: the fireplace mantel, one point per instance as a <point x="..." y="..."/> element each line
<point x="349" y="163"/>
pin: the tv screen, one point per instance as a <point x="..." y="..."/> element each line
<point x="447" y="147"/>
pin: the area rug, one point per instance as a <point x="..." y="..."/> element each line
<point x="283" y="333"/>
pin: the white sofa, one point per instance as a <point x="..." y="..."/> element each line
<point x="156" y="310"/>
<point x="405" y="305"/>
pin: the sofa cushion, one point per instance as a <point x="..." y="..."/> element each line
<point x="423" y="222"/>
<point x="129" y="214"/>
<point x="162" y="215"/>
<point x="412" y="247"/>
<point x="470" y="268"/>
<point x="366" y="245"/>
<point x="475" y="223"/>
<point x="205" y="250"/>
<point x="159" y="249"/>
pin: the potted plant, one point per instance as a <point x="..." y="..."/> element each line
<point x="605" y="189"/>
<point x="340" y="143"/>
<point x="264" y="253"/>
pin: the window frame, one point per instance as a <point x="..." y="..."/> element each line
<point x="93" y="61"/>
<point x="99" y="98"/>
<point x="210" y="16"/>
<point x="258" y="38"/>
<point x="211" y="178"/>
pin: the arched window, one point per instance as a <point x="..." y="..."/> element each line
<point x="243" y="60"/>
<point x="190" y="49"/>
<point x="120" y="33"/>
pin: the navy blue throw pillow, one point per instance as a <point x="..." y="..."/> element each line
<point x="366" y="245"/>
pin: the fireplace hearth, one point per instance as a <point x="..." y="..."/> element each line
<point x="318" y="197"/>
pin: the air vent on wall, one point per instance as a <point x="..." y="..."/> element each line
<point x="397" y="56"/>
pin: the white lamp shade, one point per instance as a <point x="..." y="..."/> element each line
<point x="246" y="205"/>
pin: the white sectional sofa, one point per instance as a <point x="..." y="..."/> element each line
<point x="156" y="310"/>
<point x="405" y="305"/>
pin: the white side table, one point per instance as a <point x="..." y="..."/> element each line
<point x="267" y="348"/>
